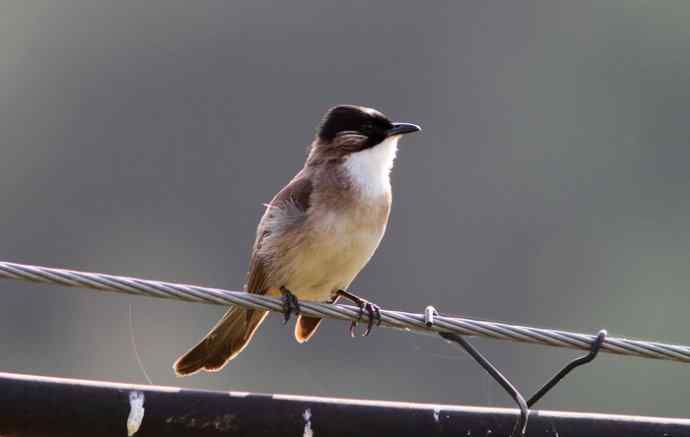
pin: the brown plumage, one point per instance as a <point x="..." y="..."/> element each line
<point x="237" y="327"/>
<point x="317" y="233"/>
<point x="305" y="327"/>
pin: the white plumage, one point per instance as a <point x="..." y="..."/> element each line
<point x="370" y="168"/>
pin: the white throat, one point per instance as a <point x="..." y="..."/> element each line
<point x="370" y="169"/>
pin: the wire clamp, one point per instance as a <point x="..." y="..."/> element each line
<point x="429" y="314"/>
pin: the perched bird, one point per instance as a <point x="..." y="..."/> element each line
<point x="317" y="233"/>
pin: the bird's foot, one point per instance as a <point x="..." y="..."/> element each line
<point x="373" y="312"/>
<point x="290" y="304"/>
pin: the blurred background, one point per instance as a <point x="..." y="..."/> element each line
<point x="549" y="187"/>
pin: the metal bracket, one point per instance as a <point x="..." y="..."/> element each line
<point x="521" y="423"/>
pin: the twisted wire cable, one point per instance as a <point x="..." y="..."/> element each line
<point x="394" y="319"/>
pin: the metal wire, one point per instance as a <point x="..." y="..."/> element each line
<point x="393" y="319"/>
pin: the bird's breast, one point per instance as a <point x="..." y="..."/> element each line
<point x="339" y="244"/>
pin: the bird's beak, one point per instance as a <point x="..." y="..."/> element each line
<point x="402" y="129"/>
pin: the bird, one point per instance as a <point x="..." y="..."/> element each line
<point x="317" y="233"/>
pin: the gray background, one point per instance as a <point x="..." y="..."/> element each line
<point x="549" y="187"/>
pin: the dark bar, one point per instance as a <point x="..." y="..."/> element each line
<point x="41" y="406"/>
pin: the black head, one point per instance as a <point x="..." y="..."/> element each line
<point x="371" y="125"/>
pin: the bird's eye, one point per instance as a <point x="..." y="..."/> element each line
<point x="367" y="127"/>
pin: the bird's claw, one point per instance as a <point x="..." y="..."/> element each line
<point x="290" y="304"/>
<point x="373" y="313"/>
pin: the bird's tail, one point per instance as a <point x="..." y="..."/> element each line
<point x="223" y="343"/>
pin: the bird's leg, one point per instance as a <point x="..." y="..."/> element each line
<point x="373" y="310"/>
<point x="290" y="304"/>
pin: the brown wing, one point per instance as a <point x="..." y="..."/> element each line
<point x="237" y="327"/>
<point x="297" y="195"/>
